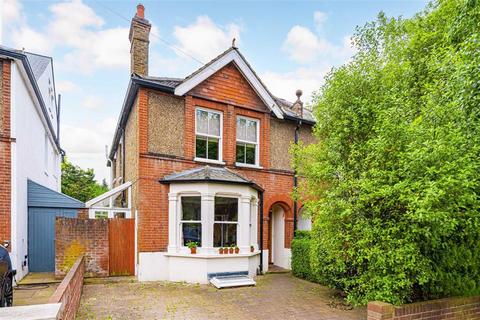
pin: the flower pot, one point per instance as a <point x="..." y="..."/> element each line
<point x="193" y="250"/>
<point x="230" y="250"/>
<point x="220" y="250"/>
<point x="237" y="250"/>
<point x="252" y="248"/>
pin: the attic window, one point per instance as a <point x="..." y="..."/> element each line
<point x="208" y="133"/>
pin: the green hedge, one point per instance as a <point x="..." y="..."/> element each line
<point x="301" y="266"/>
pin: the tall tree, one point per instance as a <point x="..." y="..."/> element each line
<point x="79" y="183"/>
<point x="394" y="183"/>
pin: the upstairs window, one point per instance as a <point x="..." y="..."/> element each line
<point x="191" y="220"/>
<point x="208" y="132"/>
<point x="226" y="220"/>
<point x="247" y="141"/>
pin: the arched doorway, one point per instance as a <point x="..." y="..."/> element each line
<point x="304" y="221"/>
<point x="278" y="254"/>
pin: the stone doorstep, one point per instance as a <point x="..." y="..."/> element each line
<point x="39" y="278"/>
<point x="47" y="311"/>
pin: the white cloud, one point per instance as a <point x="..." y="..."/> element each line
<point x="31" y="40"/>
<point x="85" y="144"/>
<point x="88" y="137"/>
<point x="75" y="27"/>
<point x="319" y="18"/>
<point x="93" y="102"/>
<point x="316" y="55"/>
<point x="65" y="86"/>
<point x="304" y="46"/>
<point x="204" y="39"/>
<point x="284" y="85"/>
<point x="11" y="10"/>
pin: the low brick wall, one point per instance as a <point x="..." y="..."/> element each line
<point x="465" y="308"/>
<point x="75" y="237"/>
<point x="69" y="291"/>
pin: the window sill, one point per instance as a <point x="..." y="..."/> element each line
<point x="209" y="161"/>
<point x="245" y="165"/>
<point x="211" y="255"/>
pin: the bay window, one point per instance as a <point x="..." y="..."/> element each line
<point x="247" y="141"/>
<point x="225" y="222"/>
<point x="191" y="220"/>
<point x="208" y="134"/>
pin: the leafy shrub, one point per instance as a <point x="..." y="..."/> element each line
<point x="301" y="245"/>
<point x="393" y="184"/>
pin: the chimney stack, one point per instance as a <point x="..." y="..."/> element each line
<point x="139" y="41"/>
<point x="297" y="107"/>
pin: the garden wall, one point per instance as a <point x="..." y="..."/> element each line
<point x="465" y="308"/>
<point x="74" y="237"/>
<point x="69" y="291"/>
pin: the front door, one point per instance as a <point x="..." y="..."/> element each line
<point x="41" y="237"/>
<point x="278" y="236"/>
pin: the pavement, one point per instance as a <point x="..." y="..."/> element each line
<point x="276" y="296"/>
<point x="35" y="288"/>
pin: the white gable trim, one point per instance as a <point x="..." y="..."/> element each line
<point x="234" y="56"/>
<point x="107" y="194"/>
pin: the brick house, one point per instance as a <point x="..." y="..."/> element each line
<point x="207" y="157"/>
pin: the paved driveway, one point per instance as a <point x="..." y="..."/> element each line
<point x="276" y="296"/>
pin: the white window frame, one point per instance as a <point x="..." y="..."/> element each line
<point x="257" y="144"/>
<point x="181" y="221"/>
<point x="226" y="222"/>
<point x="220" y="138"/>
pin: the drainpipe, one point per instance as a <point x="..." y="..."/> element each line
<point x="58" y="117"/>
<point x="123" y="164"/>
<point x="260" y="207"/>
<point x="295" y="180"/>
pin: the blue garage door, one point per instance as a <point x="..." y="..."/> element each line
<point x="41" y="236"/>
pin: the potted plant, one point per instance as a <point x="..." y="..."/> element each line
<point x="230" y="250"/>
<point x="225" y="250"/>
<point x="193" y="246"/>
<point x="220" y="250"/>
<point x="237" y="249"/>
<point x="252" y="248"/>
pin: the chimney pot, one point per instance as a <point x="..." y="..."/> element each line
<point x="140" y="11"/>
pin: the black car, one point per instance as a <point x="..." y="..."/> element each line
<point x="6" y="278"/>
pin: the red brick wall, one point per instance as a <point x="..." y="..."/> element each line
<point x="464" y="308"/>
<point x="153" y="198"/>
<point x="5" y="153"/>
<point x="226" y="91"/>
<point x="76" y="237"/>
<point x="229" y="86"/>
<point x="82" y="213"/>
<point x="69" y="291"/>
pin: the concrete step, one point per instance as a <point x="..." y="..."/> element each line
<point x="232" y="281"/>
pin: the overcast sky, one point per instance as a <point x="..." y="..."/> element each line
<point x="290" y="44"/>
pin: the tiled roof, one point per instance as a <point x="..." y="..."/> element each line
<point x="164" y="81"/>
<point x="207" y="173"/>
<point x="38" y="63"/>
<point x="286" y="107"/>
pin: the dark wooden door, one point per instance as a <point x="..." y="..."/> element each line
<point x="121" y="242"/>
